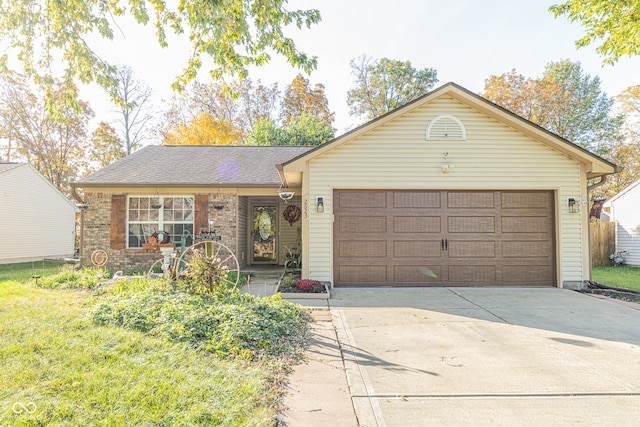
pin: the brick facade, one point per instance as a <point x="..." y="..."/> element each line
<point x="96" y="231"/>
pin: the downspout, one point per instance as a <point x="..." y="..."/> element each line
<point x="76" y="196"/>
<point x="282" y="175"/>
<point x="83" y="205"/>
<point x="603" y="180"/>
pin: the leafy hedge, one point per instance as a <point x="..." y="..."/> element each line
<point x="69" y="278"/>
<point x="237" y="325"/>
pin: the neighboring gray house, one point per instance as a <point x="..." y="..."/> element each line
<point x="37" y="221"/>
<point x="625" y="212"/>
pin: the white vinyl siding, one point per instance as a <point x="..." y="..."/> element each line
<point x="36" y="220"/>
<point x="625" y="211"/>
<point x="395" y="155"/>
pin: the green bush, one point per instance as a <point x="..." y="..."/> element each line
<point x="69" y="278"/>
<point x="235" y="326"/>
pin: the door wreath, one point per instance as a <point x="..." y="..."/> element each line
<point x="291" y="214"/>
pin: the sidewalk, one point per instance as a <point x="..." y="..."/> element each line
<point x="317" y="393"/>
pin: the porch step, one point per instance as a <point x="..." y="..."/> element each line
<point x="263" y="274"/>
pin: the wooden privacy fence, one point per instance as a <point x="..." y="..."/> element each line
<point x="603" y="242"/>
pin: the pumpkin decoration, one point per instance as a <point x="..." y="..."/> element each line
<point x="291" y="214"/>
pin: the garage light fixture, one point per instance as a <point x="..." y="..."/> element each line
<point x="572" y="203"/>
<point x="319" y="204"/>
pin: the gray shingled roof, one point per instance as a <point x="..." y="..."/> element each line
<point x="6" y="166"/>
<point x="196" y="165"/>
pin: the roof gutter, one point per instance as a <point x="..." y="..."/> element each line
<point x="171" y="185"/>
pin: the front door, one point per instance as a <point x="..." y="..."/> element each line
<point x="264" y="241"/>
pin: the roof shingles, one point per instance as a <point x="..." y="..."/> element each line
<point x="196" y="165"/>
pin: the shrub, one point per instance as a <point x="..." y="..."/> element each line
<point x="307" y="285"/>
<point x="206" y="275"/>
<point x="236" y="326"/>
<point x="288" y="282"/>
<point x="68" y="278"/>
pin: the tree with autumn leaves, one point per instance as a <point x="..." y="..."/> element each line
<point x="56" y="148"/>
<point x="246" y="112"/>
<point x="569" y="102"/>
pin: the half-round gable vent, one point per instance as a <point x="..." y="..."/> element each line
<point x="446" y="127"/>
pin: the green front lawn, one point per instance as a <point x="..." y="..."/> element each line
<point x="26" y="270"/>
<point x="619" y="277"/>
<point x="60" y="366"/>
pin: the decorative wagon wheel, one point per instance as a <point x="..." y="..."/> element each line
<point x="217" y="254"/>
<point x="152" y="273"/>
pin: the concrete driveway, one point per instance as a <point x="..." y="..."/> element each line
<point x="488" y="356"/>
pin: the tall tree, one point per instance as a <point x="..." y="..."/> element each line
<point x="234" y="34"/>
<point x="57" y="148"/>
<point x="303" y="130"/>
<point x="627" y="152"/>
<point x="134" y="103"/>
<point x="106" y="147"/>
<point x="613" y="23"/>
<point x="240" y="104"/>
<point x="204" y="129"/>
<point x="565" y="101"/>
<point x="15" y="102"/>
<point x="514" y="92"/>
<point x="386" y="84"/>
<point x="300" y="98"/>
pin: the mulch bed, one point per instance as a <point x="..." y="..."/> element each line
<point x="611" y="292"/>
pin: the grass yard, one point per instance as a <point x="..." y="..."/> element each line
<point x="619" y="277"/>
<point x="59" y="367"/>
<point x="25" y="270"/>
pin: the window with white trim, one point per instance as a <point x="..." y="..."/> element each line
<point x="147" y="215"/>
<point x="446" y="127"/>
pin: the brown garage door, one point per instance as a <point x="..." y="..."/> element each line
<point x="444" y="238"/>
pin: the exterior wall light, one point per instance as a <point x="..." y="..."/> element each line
<point x="572" y="203"/>
<point x="319" y="204"/>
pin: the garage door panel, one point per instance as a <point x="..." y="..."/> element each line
<point x="521" y="248"/>
<point x="363" y="249"/>
<point x="412" y="199"/>
<point x="526" y="200"/>
<point x="472" y="249"/>
<point x="470" y="199"/>
<point x="472" y="274"/>
<point x="362" y="199"/>
<point x="417" y="249"/>
<point x="471" y="224"/>
<point x="525" y="224"/>
<point x="417" y="274"/>
<point x="417" y="224"/>
<point x="363" y="274"/>
<point x="362" y="224"/>
<point x="527" y="274"/>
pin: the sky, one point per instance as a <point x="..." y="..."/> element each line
<point x="466" y="41"/>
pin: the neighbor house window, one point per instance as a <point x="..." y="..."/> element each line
<point x="148" y="215"/>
